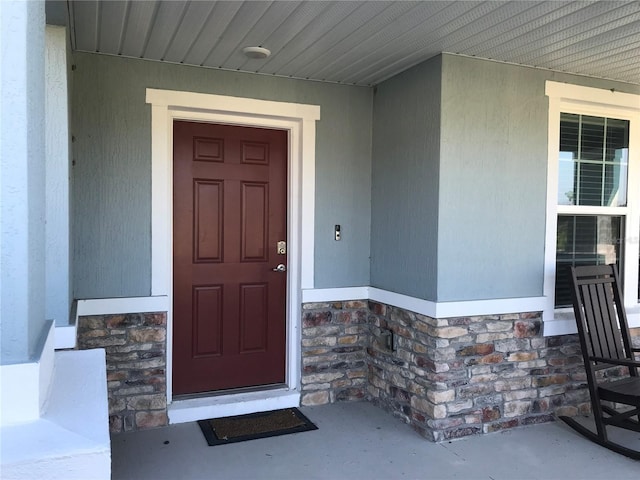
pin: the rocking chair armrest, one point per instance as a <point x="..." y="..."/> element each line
<point x="635" y="349"/>
<point x="616" y="361"/>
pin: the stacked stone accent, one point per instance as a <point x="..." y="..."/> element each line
<point x="335" y="337"/>
<point x="447" y="378"/>
<point x="455" y="377"/>
<point x="135" y="347"/>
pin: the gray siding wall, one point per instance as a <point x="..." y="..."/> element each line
<point x="404" y="191"/>
<point x="450" y="201"/>
<point x="493" y="173"/>
<point x="57" y="231"/>
<point x="112" y="172"/>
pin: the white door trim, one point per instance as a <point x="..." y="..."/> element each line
<point x="299" y="120"/>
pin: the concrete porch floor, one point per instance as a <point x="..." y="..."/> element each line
<point x="358" y="440"/>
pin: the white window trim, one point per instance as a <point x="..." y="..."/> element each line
<point x="300" y="121"/>
<point x="569" y="98"/>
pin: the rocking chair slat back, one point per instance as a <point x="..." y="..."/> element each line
<point x="598" y="317"/>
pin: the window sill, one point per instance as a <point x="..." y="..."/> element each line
<point x="563" y="322"/>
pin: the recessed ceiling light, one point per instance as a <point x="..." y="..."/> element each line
<point x="257" y="53"/>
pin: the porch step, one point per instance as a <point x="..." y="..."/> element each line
<point x="71" y="439"/>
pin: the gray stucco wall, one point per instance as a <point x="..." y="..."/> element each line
<point x="493" y="173"/>
<point x="404" y="190"/>
<point x="112" y="172"/>
<point x="23" y="323"/>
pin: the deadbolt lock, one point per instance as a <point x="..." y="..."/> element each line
<point x="282" y="248"/>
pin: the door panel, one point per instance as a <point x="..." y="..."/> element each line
<point x="207" y="320"/>
<point x="254" y="211"/>
<point x="253" y="317"/>
<point x="208" y="215"/>
<point x="229" y="214"/>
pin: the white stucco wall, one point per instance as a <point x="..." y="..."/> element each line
<point x="58" y="298"/>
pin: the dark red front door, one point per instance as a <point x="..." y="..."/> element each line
<point x="230" y="197"/>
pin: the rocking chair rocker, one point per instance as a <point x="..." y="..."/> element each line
<point x="605" y="342"/>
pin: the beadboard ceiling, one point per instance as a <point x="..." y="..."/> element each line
<point x="362" y="42"/>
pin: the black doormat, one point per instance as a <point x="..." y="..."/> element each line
<point x="220" y="431"/>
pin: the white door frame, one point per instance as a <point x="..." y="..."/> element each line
<point x="299" y="120"/>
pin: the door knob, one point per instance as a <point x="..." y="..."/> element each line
<point x="280" y="268"/>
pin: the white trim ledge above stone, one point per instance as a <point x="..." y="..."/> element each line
<point x="312" y="295"/>
<point x="115" y="306"/>
<point x="498" y="306"/>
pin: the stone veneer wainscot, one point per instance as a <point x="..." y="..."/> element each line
<point x="335" y="338"/>
<point x="449" y="377"/>
<point x="135" y="347"/>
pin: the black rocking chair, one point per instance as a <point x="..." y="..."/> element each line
<point x="605" y="342"/>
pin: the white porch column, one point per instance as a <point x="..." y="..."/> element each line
<point x="23" y="327"/>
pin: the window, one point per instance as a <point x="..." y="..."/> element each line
<point x="584" y="240"/>
<point x="592" y="172"/>
<point x="593" y="193"/>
